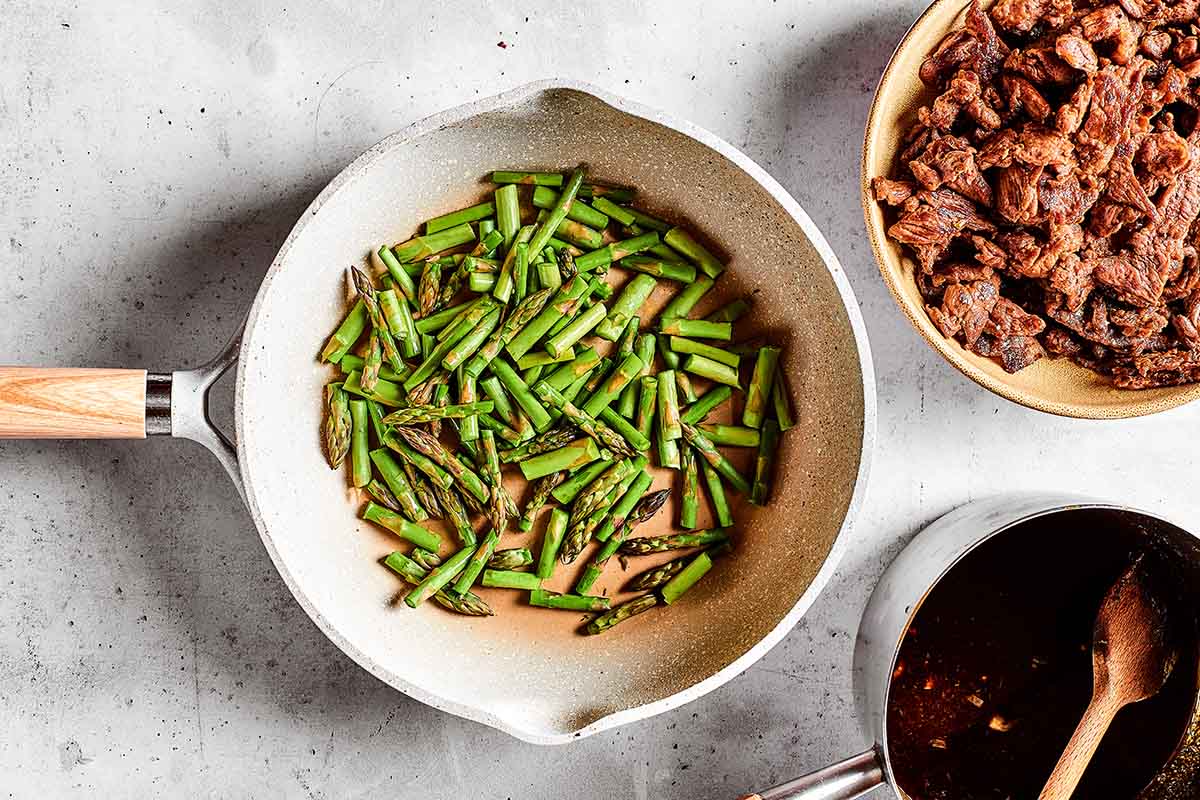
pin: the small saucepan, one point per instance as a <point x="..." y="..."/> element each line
<point x="953" y="702"/>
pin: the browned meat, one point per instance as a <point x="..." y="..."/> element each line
<point x="1024" y="96"/>
<point x="1163" y="155"/>
<point x="1156" y="44"/>
<point x="1076" y="51"/>
<point x="1050" y="192"/>
<point x="1019" y="16"/>
<point x="892" y="192"/>
<point x="1070" y="114"/>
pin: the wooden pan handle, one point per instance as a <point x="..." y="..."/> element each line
<point x="45" y="403"/>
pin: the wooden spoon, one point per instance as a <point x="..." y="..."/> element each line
<point x="1131" y="660"/>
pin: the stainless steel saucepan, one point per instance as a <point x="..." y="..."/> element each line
<point x="526" y="673"/>
<point x="906" y="584"/>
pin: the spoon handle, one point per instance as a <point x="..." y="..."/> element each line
<point x="1075" y="759"/>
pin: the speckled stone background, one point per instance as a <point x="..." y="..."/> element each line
<point x="152" y="158"/>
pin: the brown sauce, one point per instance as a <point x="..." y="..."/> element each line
<point x="996" y="669"/>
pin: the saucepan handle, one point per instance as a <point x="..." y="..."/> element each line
<point x="70" y="403"/>
<point x="51" y="403"/>
<point x="189" y="415"/>
<point x="851" y="778"/>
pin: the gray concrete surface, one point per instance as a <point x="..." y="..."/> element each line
<point x="152" y="158"/>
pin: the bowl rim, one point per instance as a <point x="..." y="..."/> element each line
<point x="841" y="541"/>
<point x="1137" y="404"/>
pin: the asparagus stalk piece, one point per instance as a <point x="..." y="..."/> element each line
<point x="469" y="344"/>
<point x="550" y="440"/>
<point x="622" y="510"/>
<point x="627" y="402"/>
<point x="545" y="197"/>
<point x="626" y="429"/>
<point x="689" y="498"/>
<point x="713" y="370"/>
<point x="435" y="354"/>
<point x="409" y="531"/>
<point x="347" y="333"/>
<point x="399" y="274"/>
<point x="338" y="423"/>
<point x="668" y="406"/>
<point x="527" y="178"/>
<point x="646" y="508"/>
<point x="557" y="214"/>
<point x="603" y="434"/>
<point x="360" y="464"/>
<point x="567" y="602"/>
<point x="372" y="362"/>
<point x="682" y="304"/>
<point x="659" y="267"/>
<point x="385" y="392"/>
<point x="629" y="368"/>
<point x="716" y="493"/>
<point x="475" y="562"/>
<point x="781" y="402"/>
<point x="505" y="280"/>
<point x="426" y="445"/>
<point x="520" y="392"/>
<point x="521" y="272"/>
<point x="504" y="408"/>
<point x="696" y="569"/>
<point x="761" y="386"/>
<point x="508" y="579"/>
<point x="556" y="529"/>
<point x="469" y="214"/>
<point x="512" y="558"/>
<point x="566" y="299"/>
<point x="764" y="464"/>
<point x="642" y="219"/>
<point x="679" y="541"/>
<point x="698" y="328"/>
<point x="680" y="240"/>
<point x="524" y="312"/>
<point x="607" y="206"/>
<point x="616" y="194"/>
<point x="689" y="346"/>
<point x="498" y="508"/>
<point x="700" y="409"/>
<point x="352" y="363"/>
<point x="583" y="363"/>
<point x="647" y="403"/>
<point x="457" y="514"/>
<point x="572" y="456"/>
<point x="531" y="360"/>
<point x="468" y="393"/>
<point x="668" y="449"/>
<point x="508" y="213"/>
<point x="566" y="491"/>
<point x="633" y="296"/>
<point x="576" y="329"/>
<point x="617" y="251"/>
<point x="413" y="572"/>
<point x="578" y="234"/>
<point x="366" y="293"/>
<point x="730" y="312"/>
<point x="425" y="559"/>
<point x="711" y="454"/>
<point x="421" y="247"/>
<point x="437" y="578"/>
<point x="621" y="613"/>
<point x="658" y="576"/>
<point x="396" y="480"/>
<point x="421" y="485"/>
<point x="383" y="495"/>
<point x="418" y="415"/>
<point x="429" y="289"/>
<point x="730" y="435"/>
<point x="440" y="320"/>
